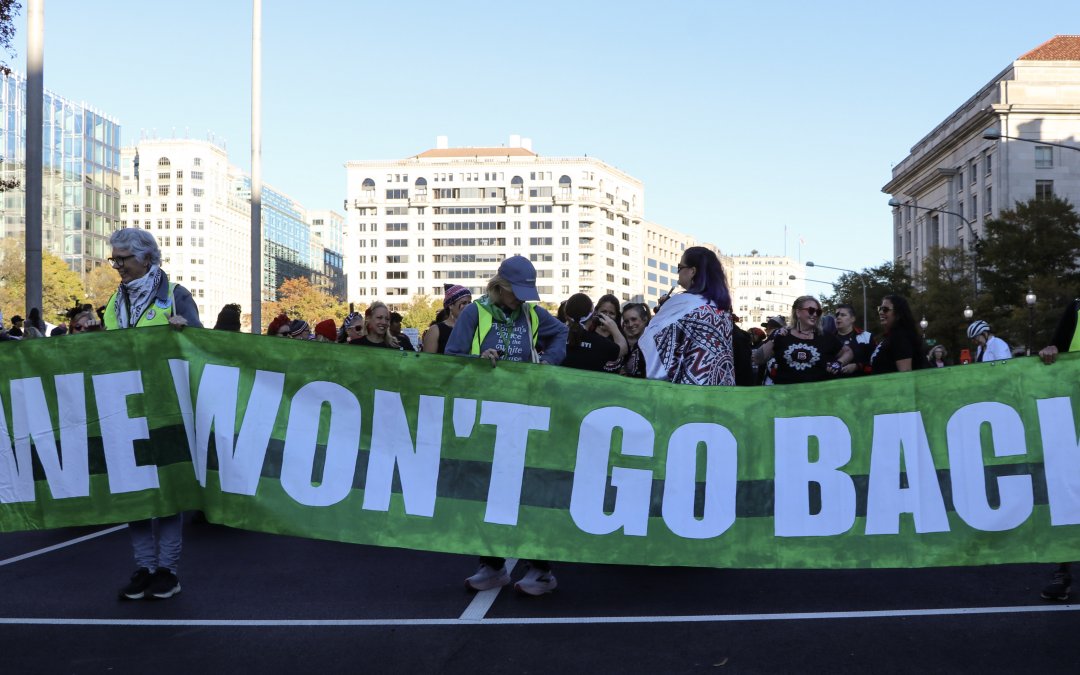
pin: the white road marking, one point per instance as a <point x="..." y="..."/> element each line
<point x="63" y="544"/>
<point x="520" y="621"/>
<point x="483" y="600"/>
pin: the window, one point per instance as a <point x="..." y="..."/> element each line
<point x="1044" y="157"/>
<point x="179" y="206"/>
<point x="1044" y="189"/>
<point x="988" y="162"/>
<point x="198" y="208"/>
<point x="196" y="175"/>
<point x="198" y="161"/>
<point x="163" y="161"/>
<point x="164" y="207"/>
<point x="179" y="175"/>
<point x="179" y="190"/>
<point x="397" y="194"/>
<point x="164" y="176"/>
<point x="397" y="243"/>
<point x="198" y="192"/>
<point x="163" y="190"/>
<point x="123" y="208"/>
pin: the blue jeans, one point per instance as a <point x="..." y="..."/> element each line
<point x="156" y="542"/>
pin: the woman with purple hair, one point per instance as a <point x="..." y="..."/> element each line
<point x="689" y="340"/>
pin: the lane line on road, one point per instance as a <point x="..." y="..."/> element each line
<point x="483" y="600"/>
<point x="63" y="544"/>
<point x="525" y="621"/>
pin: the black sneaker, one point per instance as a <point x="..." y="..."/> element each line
<point x="164" y="584"/>
<point x="1059" y="587"/>
<point x="136" y="588"/>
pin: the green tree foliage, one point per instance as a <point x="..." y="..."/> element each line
<point x="101" y="283"/>
<point x="61" y="288"/>
<point x="299" y="299"/>
<point x="1033" y="246"/>
<point x="947" y="287"/>
<point x="885" y="279"/>
<point x="419" y="312"/>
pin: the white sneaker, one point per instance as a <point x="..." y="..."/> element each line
<point x="536" y="582"/>
<point x="488" y="577"/>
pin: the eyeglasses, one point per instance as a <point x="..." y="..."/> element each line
<point x="812" y="311"/>
<point x="682" y="267"/>
<point x="78" y="328"/>
<point x="120" y="260"/>
<point x="884" y="310"/>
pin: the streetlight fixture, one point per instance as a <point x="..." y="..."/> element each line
<point x="862" y="280"/>
<point x="896" y="203"/>
<point x="1030" y="300"/>
<point x="923" y="324"/>
<point x="968" y="312"/>
<point x="993" y="135"/>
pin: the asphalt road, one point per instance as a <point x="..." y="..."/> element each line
<point x="257" y="603"/>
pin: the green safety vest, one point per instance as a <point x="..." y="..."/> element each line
<point x="155" y="314"/>
<point x="485" y="321"/>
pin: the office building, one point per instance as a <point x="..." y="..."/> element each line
<point x="198" y="207"/>
<point x="450" y="215"/>
<point x="80" y="174"/>
<point x="954" y="179"/>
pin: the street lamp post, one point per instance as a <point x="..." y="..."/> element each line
<point x="896" y="203"/>
<point x="923" y="324"/>
<point x="1030" y="300"/>
<point x="968" y="312"/>
<point x="992" y="135"/>
<point x="862" y="280"/>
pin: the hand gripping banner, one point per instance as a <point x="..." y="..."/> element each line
<point x="967" y="465"/>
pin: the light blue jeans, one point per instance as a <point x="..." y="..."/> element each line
<point x="156" y="542"/>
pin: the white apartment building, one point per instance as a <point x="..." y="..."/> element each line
<point x="198" y="207"/>
<point x="954" y="179"/>
<point x="183" y="192"/>
<point x="450" y="215"/>
<point x="762" y="286"/>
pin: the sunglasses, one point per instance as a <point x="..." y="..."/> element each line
<point x="884" y="310"/>
<point x="79" y="329"/>
<point x="812" y="311"/>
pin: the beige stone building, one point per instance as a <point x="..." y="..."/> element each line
<point x="955" y="178"/>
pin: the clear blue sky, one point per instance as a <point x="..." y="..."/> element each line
<point x="740" y="118"/>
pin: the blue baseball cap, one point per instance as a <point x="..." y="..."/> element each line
<point x="522" y="277"/>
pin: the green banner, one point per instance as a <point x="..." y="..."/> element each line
<point x="967" y="465"/>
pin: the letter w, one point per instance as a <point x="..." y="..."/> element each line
<point x="215" y="408"/>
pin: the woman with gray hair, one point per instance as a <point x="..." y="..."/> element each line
<point x="146" y="298"/>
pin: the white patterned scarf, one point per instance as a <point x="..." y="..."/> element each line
<point x="135" y="296"/>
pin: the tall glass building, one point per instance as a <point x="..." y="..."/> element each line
<point x="81" y="174"/>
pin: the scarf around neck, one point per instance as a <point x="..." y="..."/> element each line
<point x="135" y="296"/>
<point x="498" y="314"/>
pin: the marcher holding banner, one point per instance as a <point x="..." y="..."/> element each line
<point x="1066" y="339"/>
<point x="689" y="340"/>
<point x="146" y="298"/>
<point x="502" y="325"/>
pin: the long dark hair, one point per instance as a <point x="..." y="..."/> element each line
<point x="577" y="307"/>
<point x="902" y="316"/>
<point x="614" y="302"/>
<point x="710" y="281"/>
<point x="904" y="325"/>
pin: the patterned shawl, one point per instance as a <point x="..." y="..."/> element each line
<point x="689" y="342"/>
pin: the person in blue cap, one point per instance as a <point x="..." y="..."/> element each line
<point x="506" y="324"/>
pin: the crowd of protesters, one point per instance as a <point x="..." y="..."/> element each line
<point x="691" y="339"/>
